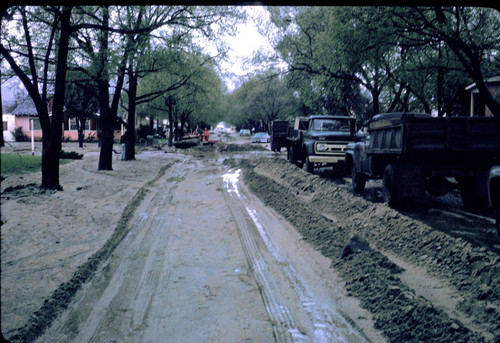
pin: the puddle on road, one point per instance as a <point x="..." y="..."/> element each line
<point x="230" y="182"/>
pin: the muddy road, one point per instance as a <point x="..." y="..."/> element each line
<point x="232" y="243"/>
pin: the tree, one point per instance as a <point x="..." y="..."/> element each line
<point x="406" y="58"/>
<point x="81" y="100"/>
<point x="186" y="87"/>
<point x="24" y="60"/>
<point x="322" y="71"/>
<point x="263" y="98"/>
<point x="472" y="34"/>
<point x="179" y="22"/>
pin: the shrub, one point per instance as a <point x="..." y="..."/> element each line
<point x="19" y="135"/>
<point x="70" y="155"/>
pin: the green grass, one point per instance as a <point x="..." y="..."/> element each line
<point x="19" y="164"/>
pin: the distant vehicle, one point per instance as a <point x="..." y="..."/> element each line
<point x="244" y="132"/>
<point x="260" y="137"/>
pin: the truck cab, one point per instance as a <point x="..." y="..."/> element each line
<point x="321" y="141"/>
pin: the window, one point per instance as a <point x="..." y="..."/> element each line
<point x="330" y="125"/>
<point x="5" y="127"/>
<point x="36" y="124"/>
<point x="73" y="127"/>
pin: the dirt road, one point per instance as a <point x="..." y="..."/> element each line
<point x="199" y="264"/>
<point x="229" y="244"/>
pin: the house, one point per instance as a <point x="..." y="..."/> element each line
<point x="26" y="116"/>
<point x="477" y="106"/>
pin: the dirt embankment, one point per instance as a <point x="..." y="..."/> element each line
<point x="359" y="236"/>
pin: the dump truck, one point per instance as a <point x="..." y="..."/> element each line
<point x="415" y="152"/>
<point x="493" y="185"/>
<point x="278" y="134"/>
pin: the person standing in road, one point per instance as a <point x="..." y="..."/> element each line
<point x="206" y="135"/>
<point x="123" y="142"/>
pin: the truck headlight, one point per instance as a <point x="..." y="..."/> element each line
<point x="321" y="147"/>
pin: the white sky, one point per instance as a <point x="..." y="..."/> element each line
<point x="248" y="41"/>
<point x="244" y="45"/>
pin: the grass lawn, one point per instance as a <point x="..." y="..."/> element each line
<point x="18" y="164"/>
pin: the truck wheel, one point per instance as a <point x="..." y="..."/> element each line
<point x="308" y="165"/>
<point x="275" y="146"/>
<point x="389" y="186"/>
<point x="292" y="155"/>
<point x="497" y="215"/>
<point x="358" y="181"/>
<point x="469" y="196"/>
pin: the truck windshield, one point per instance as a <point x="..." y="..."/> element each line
<point x="330" y="125"/>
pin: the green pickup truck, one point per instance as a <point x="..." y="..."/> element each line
<point x="320" y="140"/>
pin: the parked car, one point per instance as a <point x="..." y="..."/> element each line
<point x="260" y="137"/>
<point x="244" y="132"/>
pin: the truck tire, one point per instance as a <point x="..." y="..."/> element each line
<point x="358" y="181"/>
<point x="496" y="208"/>
<point x="390" y="186"/>
<point x="292" y="154"/>
<point x="275" y="145"/>
<point x="468" y="193"/>
<point x="308" y="165"/>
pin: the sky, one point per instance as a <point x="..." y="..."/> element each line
<point x="243" y="46"/>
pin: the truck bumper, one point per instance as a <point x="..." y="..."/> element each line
<point x="326" y="159"/>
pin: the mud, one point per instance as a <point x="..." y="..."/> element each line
<point x="372" y="247"/>
<point x="328" y="217"/>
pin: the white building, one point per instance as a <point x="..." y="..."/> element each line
<point x="9" y="125"/>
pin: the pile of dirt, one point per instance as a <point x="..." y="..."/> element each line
<point x="230" y="147"/>
<point x="328" y="217"/>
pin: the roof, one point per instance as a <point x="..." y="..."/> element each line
<point x="489" y="80"/>
<point x="25" y="108"/>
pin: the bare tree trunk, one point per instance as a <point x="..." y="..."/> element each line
<point x="50" y="154"/>
<point x="169" y="102"/>
<point x="130" y="150"/>
<point x="80" y="122"/>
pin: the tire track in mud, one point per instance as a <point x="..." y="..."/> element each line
<point x="283" y="326"/>
<point x="370" y="276"/>
<point x="326" y="324"/>
<point x="41" y="319"/>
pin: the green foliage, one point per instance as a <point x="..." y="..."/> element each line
<point x="263" y="98"/>
<point x="343" y="59"/>
<point x="190" y="79"/>
<point x="81" y="99"/>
